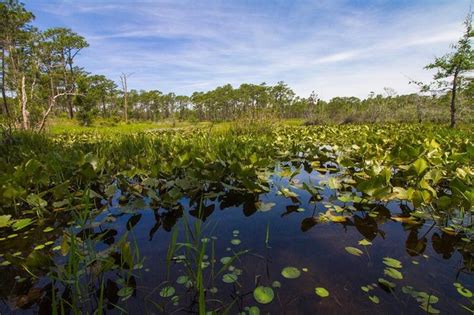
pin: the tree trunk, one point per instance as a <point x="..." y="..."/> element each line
<point x="52" y="102"/>
<point x="4" y="95"/>
<point x="453" y="100"/>
<point x="24" y="111"/>
<point x="69" y="98"/>
<point x="123" y="78"/>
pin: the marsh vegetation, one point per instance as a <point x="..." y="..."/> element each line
<point x="243" y="200"/>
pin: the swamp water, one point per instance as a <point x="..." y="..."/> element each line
<point x="371" y="258"/>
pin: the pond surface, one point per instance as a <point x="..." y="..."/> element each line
<point x="281" y="228"/>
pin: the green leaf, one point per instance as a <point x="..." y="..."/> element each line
<point x="125" y="293"/>
<point x="365" y="242"/>
<point x="391" y="262"/>
<point x="226" y="260"/>
<point x="394" y="273"/>
<point x="263" y="295"/>
<point x="167" y="291"/>
<point x="5" y="220"/>
<point x="254" y="310"/>
<point x="229" y="278"/>
<point x="374" y="299"/>
<point x="419" y="166"/>
<point x="290" y="272"/>
<point x="182" y="279"/>
<point x="354" y="251"/>
<point x="322" y="292"/>
<point x="235" y="242"/>
<point x="264" y="207"/>
<point x="21" y="224"/>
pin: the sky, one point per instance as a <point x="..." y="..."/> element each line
<point x="334" y="47"/>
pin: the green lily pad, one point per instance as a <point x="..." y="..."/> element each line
<point x="125" y="293"/>
<point x="182" y="279"/>
<point x="254" y="310"/>
<point x="235" y="241"/>
<point x="226" y="260"/>
<point x="394" y="273"/>
<point x="365" y="242"/>
<point x="374" y="299"/>
<point x="263" y="295"/>
<point x="290" y="272"/>
<point x="464" y="292"/>
<point x="276" y="284"/>
<point x="167" y="291"/>
<point x="354" y="251"/>
<point x="5" y="220"/>
<point x="391" y="262"/>
<point x="322" y="292"/>
<point x="21" y="224"/>
<point x="229" y="278"/>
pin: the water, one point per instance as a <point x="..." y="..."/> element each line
<point x="432" y="259"/>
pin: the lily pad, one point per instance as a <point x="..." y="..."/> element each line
<point x="322" y="292"/>
<point x="354" y="251"/>
<point x="394" y="273"/>
<point x="182" y="279"/>
<point x="263" y="295"/>
<point x="374" y="299"/>
<point x="226" y="260"/>
<point x="21" y="224"/>
<point x="365" y="242"/>
<point x="229" y="278"/>
<point x="264" y="207"/>
<point x="290" y="272"/>
<point x="391" y="262"/>
<point x="235" y="241"/>
<point x="254" y="310"/>
<point x="5" y="220"/>
<point x="167" y="291"/>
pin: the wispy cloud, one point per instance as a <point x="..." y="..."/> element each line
<point x="333" y="47"/>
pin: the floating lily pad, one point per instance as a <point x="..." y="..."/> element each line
<point x="391" y="262"/>
<point x="229" y="278"/>
<point x="276" y="284"/>
<point x="125" y="293"/>
<point x="167" y="291"/>
<point x="322" y="292"/>
<point x="263" y="295"/>
<point x="394" y="273"/>
<point x="354" y="251"/>
<point x="235" y="241"/>
<point x="21" y="224"/>
<point x="254" y="310"/>
<point x="374" y="299"/>
<point x="264" y="207"/>
<point x="182" y="279"/>
<point x="226" y="260"/>
<point x="5" y="220"/>
<point x="290" y="272"/>
<point x="365" y="242"/>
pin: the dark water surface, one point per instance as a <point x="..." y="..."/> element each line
<point x="432" y="259"/>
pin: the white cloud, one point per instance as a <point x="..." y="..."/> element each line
<point x="333" y="47"/>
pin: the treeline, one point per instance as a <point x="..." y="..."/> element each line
<point x="40" y="78"/>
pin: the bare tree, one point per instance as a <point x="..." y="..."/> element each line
<point x="123" y="80"/>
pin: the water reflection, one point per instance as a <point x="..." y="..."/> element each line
<point x="299" y="233"/>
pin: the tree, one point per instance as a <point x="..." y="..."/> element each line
<point x="455" y="65"/>
<point x="66" y="44"/>
<point x="123" y="80"/>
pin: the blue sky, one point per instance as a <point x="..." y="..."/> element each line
<point x="334" y="47"/>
